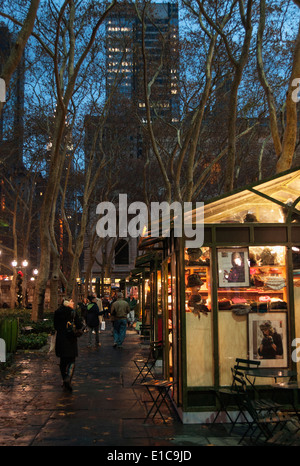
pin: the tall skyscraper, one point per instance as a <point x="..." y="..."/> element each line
<point x="126" y="32"/>
<point x="11" y="119"/>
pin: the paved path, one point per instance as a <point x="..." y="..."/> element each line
<point x="104" y="409"/>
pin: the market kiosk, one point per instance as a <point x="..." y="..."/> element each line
<point x="147" y="277"/>
<point x="238" y="296"/>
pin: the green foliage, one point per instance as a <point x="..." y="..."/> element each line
<point x="22" y="314"/>
<point x="32" y="341"/>
<point x="32" y="335"/>
<point x="42" y="326"/>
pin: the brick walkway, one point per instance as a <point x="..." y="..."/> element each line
<point x="104" y="409"/>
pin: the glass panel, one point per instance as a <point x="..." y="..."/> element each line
<point x="252" y="281"/>
<point x="296" y="279"/>
<point x="243" y="207"/>
<point x="159" y="307"/>
<point x="248" y="206"/>
<point x="159" y="297"/>
<point x="147" y="300"/>
<point x="284" y="189"/>
<point x="199" y="326"/>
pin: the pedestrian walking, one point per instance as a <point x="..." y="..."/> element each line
<point x="67" y="324"/>
<point x="100" y="307"/>
<point x="132" y="304"/>
<point x="113" y="298"/>
<point x="119" y="311"/>
<point x="92" y="320"/>
<point x="106" y="306"/>
<point x="83" y="308"/>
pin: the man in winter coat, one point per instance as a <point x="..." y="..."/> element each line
<point x="66" y="340"/>
<point x="92" y="320"/>
<point x="119" y="311"/>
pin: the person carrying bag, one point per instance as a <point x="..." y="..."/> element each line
<point x="68" y="325"/>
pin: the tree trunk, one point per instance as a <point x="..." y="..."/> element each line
<point x="290" y="134"/>
<point x="49" y="203"/>
<point x="239" y="67"/>
<point x="264" y="82"/>
<point x="54" y="283"/>
<point x="41" y="282"/>
<point x="13" y="290"/>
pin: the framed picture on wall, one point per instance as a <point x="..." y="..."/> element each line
<point x="267" y="336"/>
<point x="233" y="267"/>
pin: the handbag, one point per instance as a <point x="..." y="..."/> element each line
<point x="103" y="325"/>
<point x="71" y="328"/>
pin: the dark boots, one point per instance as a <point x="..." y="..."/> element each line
<point x="67" y="370"/>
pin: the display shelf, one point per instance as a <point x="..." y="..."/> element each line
<point x="251" y="296"/>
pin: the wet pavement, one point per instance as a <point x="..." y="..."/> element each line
<point x="104" y="408"/>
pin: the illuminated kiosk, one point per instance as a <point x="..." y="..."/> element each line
<point x="147" y="278"/>
<point x="218" y="301"/>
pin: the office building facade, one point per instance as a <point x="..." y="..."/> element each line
<point x="145" y="38"/>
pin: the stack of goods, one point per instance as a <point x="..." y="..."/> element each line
<point x="240" y="306"/>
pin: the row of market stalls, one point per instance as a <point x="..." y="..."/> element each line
<point x="231" y="298"/>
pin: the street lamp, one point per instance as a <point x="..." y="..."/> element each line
<point x="19" y="281"/>
<point x="35" y="274"/>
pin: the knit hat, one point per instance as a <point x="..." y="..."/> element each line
<point x="194" y="253"/>
<point x="194" y="280"/>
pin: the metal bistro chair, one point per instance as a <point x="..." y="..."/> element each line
<point x="265" y="424"/>
<point x="145" y="333"/>
<point x="262" y="405"/>
<point x="159" y="391"/>
<point x="226" y="395"/>
<point x="145" y="366"/>
<point x="229" y="400"/>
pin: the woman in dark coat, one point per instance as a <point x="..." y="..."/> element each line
<point x="66" y="341"/>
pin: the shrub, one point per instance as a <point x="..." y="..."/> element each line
<point x="32" y="341"/>
<point x="44" y="326"/>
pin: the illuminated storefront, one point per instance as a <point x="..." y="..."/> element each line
<point x="146" y="277"/>
<point x="221" y="300"/>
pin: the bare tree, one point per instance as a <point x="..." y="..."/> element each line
<point x="191" y="151"/>
<point x="68" y="62"/>
<point x="285" y="145"/>
<point x="19" y="45"/>
<point x="178" y="161"/>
